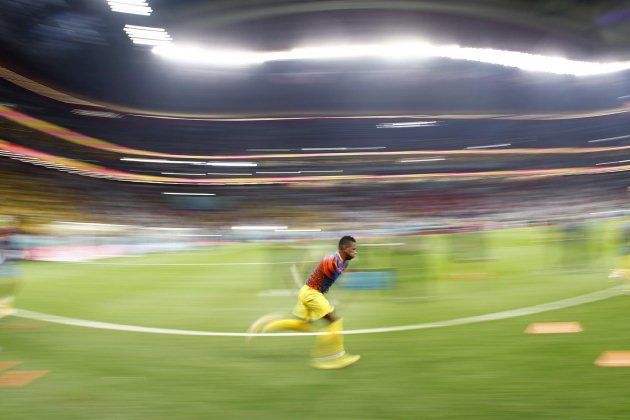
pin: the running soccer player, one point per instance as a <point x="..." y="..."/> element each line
<point x="312" y="306"/>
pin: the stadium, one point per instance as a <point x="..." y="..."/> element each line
<point x="177" y="174"/>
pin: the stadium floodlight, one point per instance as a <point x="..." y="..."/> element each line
<point x="134" y="7"/>
<point x="259" y="227"/>
<point x="134" y="11"/>
<point x="193" y="54"/>
<point x="148" y="35"/>
<point x="143" y="28"/>
<point x="397" y="50"/>
<point x="129" y="2"/>
<point x="326" y="53"/>
<point x="534" y="62"/>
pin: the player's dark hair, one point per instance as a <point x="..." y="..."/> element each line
<point x="345" y="241"/>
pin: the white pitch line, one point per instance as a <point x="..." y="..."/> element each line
<point x="513" y="313"/>
<point x="193" y="264"/>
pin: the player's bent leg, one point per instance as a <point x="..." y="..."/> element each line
<point x="329" y="346"/>
<point x="288" y="324"/>
<point x="329" y="351"/>
<point x="260" y="323"/>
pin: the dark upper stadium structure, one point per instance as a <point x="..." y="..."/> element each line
<point x="80" y="48"/>
<point x="81" y="95"/>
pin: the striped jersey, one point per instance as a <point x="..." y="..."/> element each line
<point x="326" y="272"/>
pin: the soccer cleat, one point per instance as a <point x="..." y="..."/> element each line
<point x="258" y="325"/>
<point x="336" y="363"/>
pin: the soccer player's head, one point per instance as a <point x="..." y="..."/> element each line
<point x="348" y="247"/>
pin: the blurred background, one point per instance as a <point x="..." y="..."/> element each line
<point x="180" y="167"/>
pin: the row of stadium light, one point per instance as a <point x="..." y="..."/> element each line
<point x="68" y="165"/>
<point x="134" y="7"/>
<point x="391" y="51"/>
<point x="145" y="35"/>
<point x="142" y="35"/>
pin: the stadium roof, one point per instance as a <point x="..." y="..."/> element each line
<point x="82" y="50"/>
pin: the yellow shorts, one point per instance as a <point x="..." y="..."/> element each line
<point x="312" y="305"/>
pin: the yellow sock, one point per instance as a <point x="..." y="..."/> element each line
<point x="288" y="324"/>
<point x="330" y="345"/>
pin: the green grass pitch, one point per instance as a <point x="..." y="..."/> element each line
<point x="481" y="370"/>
